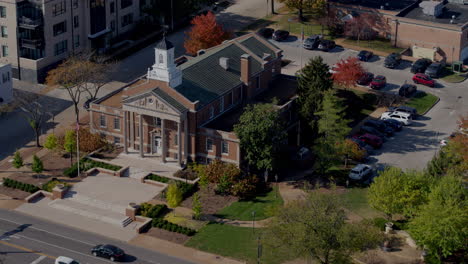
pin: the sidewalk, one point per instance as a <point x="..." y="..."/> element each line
<point x="180" y="251"/>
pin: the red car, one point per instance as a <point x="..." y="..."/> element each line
<point x="421" y="78"/>
<point x="378" y="82"/>
<point x="374" y="141"/>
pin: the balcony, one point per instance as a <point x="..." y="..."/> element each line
<point x="32" y="43"/>
<point x="29" y="23"/>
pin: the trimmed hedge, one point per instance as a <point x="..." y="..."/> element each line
<point x="152" y="211"/>
<point x="155" y="177"/>
<point x="86" y="164"/>
<point x="186" y="188"/>
<point x="10" y="183"/>
<point x="166" y="225"/>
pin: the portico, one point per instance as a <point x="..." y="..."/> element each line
<point x="155" y="126"/>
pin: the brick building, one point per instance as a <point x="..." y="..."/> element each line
<point x="186" y="112"/>
<point x="437" y="30"/>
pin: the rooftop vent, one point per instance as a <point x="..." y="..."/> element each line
<point x="224" y="63"/>
<point x="432" y="8"/>
<point x="201" y="52"/>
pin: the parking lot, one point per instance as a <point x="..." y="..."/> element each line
<point x="416" y="144"/>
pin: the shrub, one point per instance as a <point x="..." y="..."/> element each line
<point x="197" y="207"/>
<point x="224" y="185"/>
<point x="218" y="169"/>
<point x="10" y="183"/>
<point x="166" y="225"/>
<point x="51" y="142"/>
<point x="152" y="211"/>
<point x="86" y="164"/>
<point x="89" y="141"/>
<point x="186" y="174"/>
<point x="48" y="186"/>
<point x="174" y="195"/>
<point x="155" y="177"/>
<point x="37" y="165"/>
<point x="17" y="160"/>
<point x="245" y="188"/>
<point x="380" y="222"/>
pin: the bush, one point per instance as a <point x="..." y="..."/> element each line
<point x="379" y="222"/>
<point x="48" y="186"/>
<point x="10" y="183"/>
<point x="224" y="185"/>
<point x="155" y="177"/>
<point x="51" y="142"/>
<point x="166" y="225"/>
<point x="37" y="165"/>
<point x="86" y="164"/>
<point x="245" y="188"/>
<point x="186" y="174"/>
<point x="174" y="195"/>
<point x="152" y="211"/>
<point x="17" y="160"/>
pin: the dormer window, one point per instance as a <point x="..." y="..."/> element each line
<point x="161" y="59"/>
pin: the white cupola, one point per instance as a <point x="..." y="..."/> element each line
<point x="164" y="68"/>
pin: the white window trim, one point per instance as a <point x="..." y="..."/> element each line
<point x="116" y="118"/>
<point x="101" y="118"/>
<point x="227" y="147"/>
<point x="206" y="144"/>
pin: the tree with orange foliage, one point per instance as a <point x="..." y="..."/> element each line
<point x="348" y="72"/>
<point x="351" y="150"/>
<point x="205" y="33"/>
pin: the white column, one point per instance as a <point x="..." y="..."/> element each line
<point x="186" y="140"/>
<point x="125" y="132"/>
<point x="141" y="135"/>
<point x="163" y="141"/>
<point x="179" y="144"/>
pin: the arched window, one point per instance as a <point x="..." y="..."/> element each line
<point x="161" y="59"/>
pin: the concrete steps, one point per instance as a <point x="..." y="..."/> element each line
<point x="69" y="205"/>
<point x="137" y="173"/>
<point x="92" y="202"/>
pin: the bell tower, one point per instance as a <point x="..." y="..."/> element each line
<point x="164" y="68"/>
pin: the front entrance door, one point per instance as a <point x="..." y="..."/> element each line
<point x="157" y="146"/>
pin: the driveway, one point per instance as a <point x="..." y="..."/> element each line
<point x="415" y="145"/>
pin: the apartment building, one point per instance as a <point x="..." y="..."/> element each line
<point x="36" y="35"/>
<point x="187" y="112"/>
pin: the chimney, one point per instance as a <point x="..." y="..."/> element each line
<point x="224" y="63"/>
<point x="246" y="67"/>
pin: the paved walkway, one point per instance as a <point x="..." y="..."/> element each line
<point x="145" y="165"/>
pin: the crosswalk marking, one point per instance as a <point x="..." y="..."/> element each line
<point x="39" y="259"/>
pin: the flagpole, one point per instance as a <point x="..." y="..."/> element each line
<point x="302" y="41"/>
<point x="78" y="146"/>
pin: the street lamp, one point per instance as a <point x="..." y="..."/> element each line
<point x="276" y="179"/>
<point x="253" y="221"/>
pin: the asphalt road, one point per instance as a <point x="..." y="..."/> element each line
<point x="28" y="240"/>
<point x="416" y="144"/>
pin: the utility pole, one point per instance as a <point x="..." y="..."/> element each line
<point x="172" y="15"/>
<point x="78" y="146"/>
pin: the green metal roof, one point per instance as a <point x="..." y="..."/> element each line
<point x="257" y="47"/>
<point x="173" y="102"/>
<point x="204" y="79"/>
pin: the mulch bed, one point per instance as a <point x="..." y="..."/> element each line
<point x="55" y="163"/>
<point x="168" y="235"/>
<point x="108" y="154"/>
<point x="211" y="202"/>
<point x="13" y="193"/>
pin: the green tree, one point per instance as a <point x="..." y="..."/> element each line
<point x="51" y="142"/>
<point x="197" y="206"/>
<point x="396" y="192"/>
<point x="37" y="165"/>
<point x="70" y="143"/>
<point x="173" y="195"/>
<point x="314" y="6"/>
<point x="260" y="131"/>
<point x="313" y="80"/>
<point x="332" y="129"/>
<point x="316" y="228"/>
<point x="17" y="160"/>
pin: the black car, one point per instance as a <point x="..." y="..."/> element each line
<point x="434" y="70"/>
<point x="326" y="45"/>
<point x="280" y="35"/>
<point x="397" y="125"/>
<point x="365" y="55"/>
<point x="312" y="42"/>
<point x="406" y="90"/>
<point x="392" y="61"/>
<point x="373" y="131"/>
<point x="380" y="126"/>
<point x="420" y="65"/>
<point x="266" y="32"/>
<point x="108" y="251"/>
<point x="366" y="78"/>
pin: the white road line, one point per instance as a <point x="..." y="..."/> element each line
<point x="39" y="259"/>
<point x="55" y="234"/>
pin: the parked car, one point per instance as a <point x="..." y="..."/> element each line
<point x="393" y="123"/>
<point x="363" y="145"/>
<point x="326" y="45"/>
<point x="421" y="78"/>
<point x="280" y="35"/>
<point x="366" y="78"/>
<point x="380" y="126"/>
<point x="108" y="251"/>
<point x="378" y="82"/>
<point x="372" y="140"/>
<point x="312" y="42"/>
<point x="434" y="70"/>
<point x="365" y="55"/>
<point x="372" y="131"/>
<point x="266" y="32"/>
<point x="360" y="172"/>
<point x="405" y="109"/>
<point x="65" y="260"/>
<point x="407" y="90"/>
<point x="404" y="118"/>
<point x="420" y="65"/>
<point x="392" y="60"/>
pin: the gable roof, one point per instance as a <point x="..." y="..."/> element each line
<point x="159" y="93"/>
<point x="204" y="80"/>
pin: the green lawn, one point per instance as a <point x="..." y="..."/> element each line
<point x="422" y="101"/>
<point x="358" y="104"/>
<point x="452" y="77"/>
<point x="232" y="241"/>
<point x="242" y="210"/>
<point x="355" y="200"/>
<point x="289" y="22"/>
<point x="377" y="44"/>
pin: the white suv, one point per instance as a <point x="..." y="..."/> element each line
<point x="360" y="172"/>
<point x="404" y="118"/>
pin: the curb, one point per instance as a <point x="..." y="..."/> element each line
<point x="429" y="109"/>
